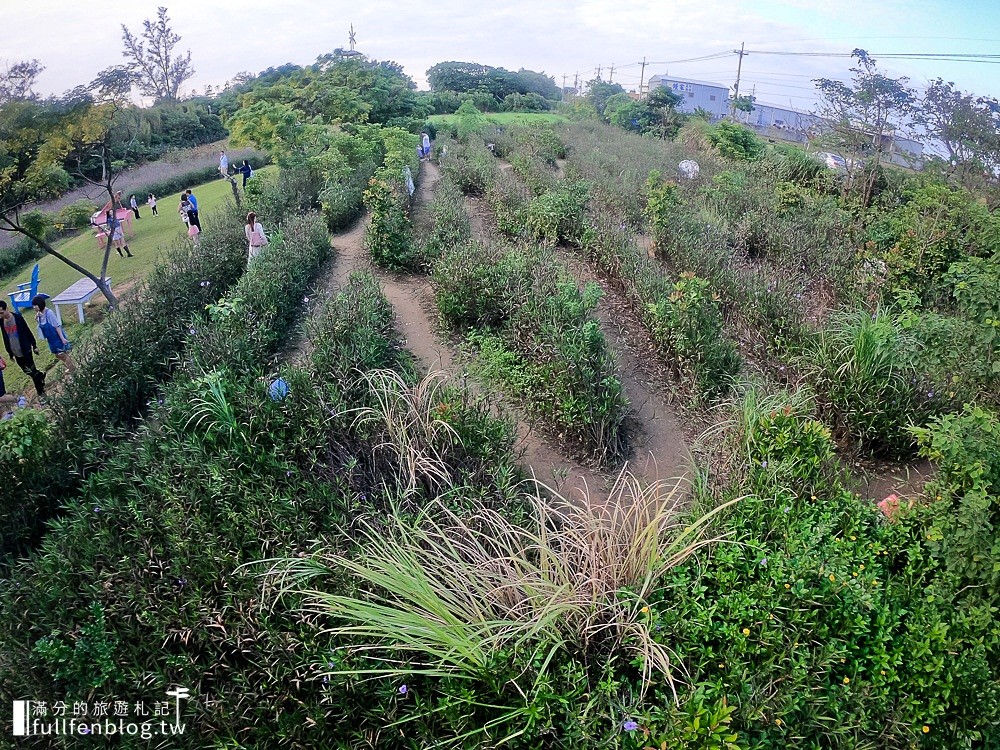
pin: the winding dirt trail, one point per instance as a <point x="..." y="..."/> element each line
<point x="416" y="313"/>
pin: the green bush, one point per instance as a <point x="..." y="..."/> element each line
<point x="24" y="251"/>
<point x="558" y="215"/>
<point x="478" y="286"/>
<point x="76" y="215"/>
<point x="736" y="141"/>
<point x="389" y="238"/>
<point x="451" y="227"/>
<point x="859" y="367"/>
<point x="966" y="512"/>
<point x="688" y="324"/>
<point x="471" y="167"/>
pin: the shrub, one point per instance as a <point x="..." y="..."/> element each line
<point x="23" y="251"/>
<point x="471" y="167"/>
<point x="558" y="215"/>
<point x="857" y="363"/>
<point x="389" y="238"/>
<point x="451" y="227"/>
<point x="688" y="324"/>
<point x="478" y="286"/>
<point x="26" y="442"/>
<point x="966" y="513"/>
<point x="76" y="215"/>
<point x="735" y="141"/>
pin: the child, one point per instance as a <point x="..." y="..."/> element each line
<point x="193" y="232"/>
<point x="52" y="332"/>
<point x="152" y="204"/>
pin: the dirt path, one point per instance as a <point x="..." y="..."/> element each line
<point x="656" y="431"/>
<point x="413" y="299"/>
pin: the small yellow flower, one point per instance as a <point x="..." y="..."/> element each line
<point x="925" y="729"/>
<point x="645" y="610"/>
<point x="854" y="539"/>
<point x="788" y="585"/>
<point x="854" y="574"/>
<point x="746" y="631"/>
<point x="874" y="581"/>
<point x="847" y="680"/>
<point x="861" y="567"/>
<point x="882" y="672"/>
<point x="778" y="722"/>
<point x="832" y="578"/>
<point x="722" y="666"/>
<point x="813" y="497"/>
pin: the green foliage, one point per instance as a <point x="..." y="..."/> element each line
<point x="471" y="167"/>
<point x="470" y="121"/>
<point x="451" y="227"/>
<point x="558" y="215"/>
<point x="934" y="227"/>
<point x="22" y="252"/>
<point x="389" y="238"/>
<point x="858" y="365"/>
<point x="662" y="202"/>
<point x="736" y="141"/>
<point x="84" y="659"/>
<point x="966" y="512"/>
<point x="688" y="324"/>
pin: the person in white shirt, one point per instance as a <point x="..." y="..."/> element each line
<point x="223" y="164"/>
<point x="255" y="236"/>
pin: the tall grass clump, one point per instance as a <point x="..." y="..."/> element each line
<point x="858" y="366"/>
<point x="500" y="616"/>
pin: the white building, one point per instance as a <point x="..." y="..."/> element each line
<point x="713" y="97"/>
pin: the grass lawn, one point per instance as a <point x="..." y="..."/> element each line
<point x="152" y="236"/>
<point x="510" y="118"/>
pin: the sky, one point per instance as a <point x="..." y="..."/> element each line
<point x="75" y="40"/>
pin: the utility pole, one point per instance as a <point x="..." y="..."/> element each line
<point x="598" y="72"/>
<point x="739" y="70"/>
<point x="611" y="76"/>
<point x="564" y="88"/>
<point x="642" y="76"/>
<point x="576" y="83"/>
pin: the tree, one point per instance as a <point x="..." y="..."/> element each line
<point x="599" y="92"/>
<point x="968" y="128"/>
<point x="89" y="129"/>
<point x="155" y="69"/>
<point x="17" y="81"/>
<point x="862" y="118"/>
<point x="743" y="104"/>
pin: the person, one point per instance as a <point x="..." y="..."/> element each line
<point x="151" y="200"/>
<point x="223" y="164"/>
<point x="8" y="398"/>
<point x="115" y="230"/>
<point x="193" y="210"/>
<point x="193" y="233"/>
<point x="255" y="236"/>
<point x="420" y="152"/>
<point x="19" y="342"/>
<point x="426" y="141"/>
<point x="246" y="171"/>
<point x="51" y="330"/>
<point x="185" y="210"/>
<point x="134" y="204"/>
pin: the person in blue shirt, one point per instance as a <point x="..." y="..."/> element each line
<point x="246" y="171"/>
<point x="193" y="211"/>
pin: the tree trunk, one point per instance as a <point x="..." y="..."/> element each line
<point x="236" y="192"/>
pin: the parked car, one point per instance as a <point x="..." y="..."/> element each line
<point x="833" y="161"/>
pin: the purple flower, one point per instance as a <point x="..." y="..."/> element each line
<point x="763" y="464"/>
<point x="97" y="509"/>
<point x="630" y="726"/>
<point x="192" y="331"/>
<point x="326" y="680"/>
<point x="205" y="283"/>
<point x="403" y="690"/>
<point x="764" y="562"/>
<point x="305" y="299"/>
<point x="930" y="394"/>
